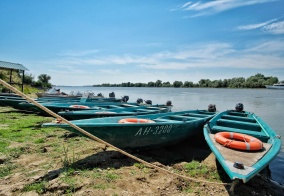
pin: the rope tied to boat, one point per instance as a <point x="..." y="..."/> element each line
<point x="102" y="141"/>
<point x="227" y="143"/>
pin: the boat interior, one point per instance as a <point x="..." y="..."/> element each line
<point x="240" y="123"/>
<point x="184" y="117"/>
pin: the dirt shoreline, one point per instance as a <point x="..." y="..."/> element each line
<point x="152" y="182"/>
<point x="65" y="164"/>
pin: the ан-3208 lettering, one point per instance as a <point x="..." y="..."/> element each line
<point x="154" y="130"/>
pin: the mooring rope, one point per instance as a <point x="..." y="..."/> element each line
<point x="102" y="141"/>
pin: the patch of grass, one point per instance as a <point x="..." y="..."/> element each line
<point x="110" y="176"/>
<point x="197" y="169"/>
<point x="132" y="172"/>
<point x="68" y="178"/>
<point x="107" y="175"/>
<point x="39" y="187"/>
<point x="21" y="127"/>
<point x="97" y="173"/>
<point x="139" y="165"/>
<point x="3" y="145"/>
<point x="68" y="161"/>
<point x="39" y="141"/>
<point x="6" y="169"/>
<point x="14" y="152"/>
<point x="101" y="186"/>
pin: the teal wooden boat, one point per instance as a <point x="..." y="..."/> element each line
<point x="22" y="104"/>
<point x="145" y="131"/>
<point x="53" y="92"/>
<point x="242" y="142"/>
<point x="120" y="111"/>
<point x="12" y="102"/>
<point x="67" y="103"/>
<point x="75" y="106"/>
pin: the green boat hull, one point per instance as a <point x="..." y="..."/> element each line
<point x="12" y="102"/>
<point x="244" y="123"/>
<point x="167" y="129"/>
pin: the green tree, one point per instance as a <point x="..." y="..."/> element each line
<point x="177" y="84"/>
<point x="151" y="84"/>
<point x="2" y="75"/>
<point x="236" y="82"/>
<point x="166" y="84"/>
<point x="158" y="83"/>
<point x="204" y="83"/>
<point x="187" y="84"/>
<point x="43" y="81"/>
<point x="271" y="80"/>
<point x="217" y="84"/>
<point x="29" y="79"/>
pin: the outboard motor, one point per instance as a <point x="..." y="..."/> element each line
<point x="139" y="100"/>
<point x="148" y="102"/>
<point x="169" y="103"/>
<point x="99" y="94"/>
<point x="239" y="107"/>
<point x="212" y="108"/>
<point x="111" y="94"/>
<point x="125" y="98"/>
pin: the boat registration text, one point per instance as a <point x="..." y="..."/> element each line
<point x="157" y="130"/>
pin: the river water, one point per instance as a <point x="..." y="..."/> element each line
<point x="266" y="103"/>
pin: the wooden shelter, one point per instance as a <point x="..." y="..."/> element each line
<point x="14" y="67"/>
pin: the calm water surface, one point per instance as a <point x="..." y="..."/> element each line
<point x="266" y="103"/>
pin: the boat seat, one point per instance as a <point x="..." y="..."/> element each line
<point x="239" y="118"/>
<point x="237" y="113"/>
<point x="129" y="105"/>
<point x="207" y="113"/>
<point x="259" y="135"/>
<point x="165" y="120"/>
<point x="127" y="112"/>
<point x="183" y="118"/>
<point x="115" y="106"/>
<point x="154" y="108"/>
<point x="143" y="110"/>
<point x="239" y="124"/>
<point x="196" y="115"/>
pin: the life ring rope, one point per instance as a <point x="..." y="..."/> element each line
<point x="238" y="141"/>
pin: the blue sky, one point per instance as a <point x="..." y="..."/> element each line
<point x="113" y="41"/>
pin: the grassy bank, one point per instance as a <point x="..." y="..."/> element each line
<point x="49" y="161"/>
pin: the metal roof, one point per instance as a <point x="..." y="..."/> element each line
<point x="16" y="66"/>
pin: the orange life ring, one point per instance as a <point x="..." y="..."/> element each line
<point x="79" y="106"/>
<point x="135" y="120"/>
<point x="242" y="142"/>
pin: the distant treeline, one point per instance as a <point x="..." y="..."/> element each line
<point x="257" y="81"/>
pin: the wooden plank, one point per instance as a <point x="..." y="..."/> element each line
<point x="248" y="158"/>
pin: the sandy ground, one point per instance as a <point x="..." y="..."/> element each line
<point x="95" y="159"/>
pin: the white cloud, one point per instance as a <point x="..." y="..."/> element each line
<point x="186" y="4"/>
<point x="207" y="55"/>
<point x="261" y="55"/>
<point x="275" y="28"/>
<point x="216" y="6"/>
<point x="255" y="26"/>
<point x="272" y="27"/>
